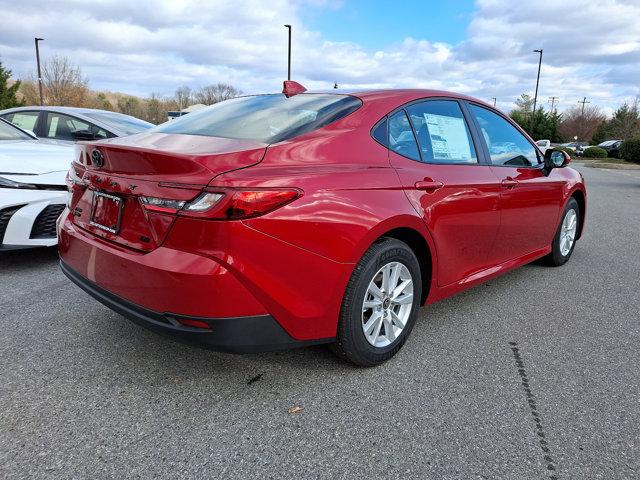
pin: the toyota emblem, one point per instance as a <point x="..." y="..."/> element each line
<point x="97" y="158"/>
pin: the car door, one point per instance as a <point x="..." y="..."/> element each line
<point x="59" y="126"/>
<point x="530" y="200"/>
<point x="446" y="182"/>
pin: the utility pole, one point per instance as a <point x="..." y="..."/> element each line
<point x="39" y="72"/>
<point x="535" y="97"/>
<point x="553" y="103"/>
<point x="289" y="56"/>
<point x="494" y="100"/>
<point x="335" y="85"/>
<point x="583" y="101"/>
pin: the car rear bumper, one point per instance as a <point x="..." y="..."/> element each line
<point x="250" y="334"/>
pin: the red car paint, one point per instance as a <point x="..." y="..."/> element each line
<point x="469" y="223"/>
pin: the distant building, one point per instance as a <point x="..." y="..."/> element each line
<point x="192" y="108"/>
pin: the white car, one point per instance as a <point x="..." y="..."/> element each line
<point x="543" y="145"/>
<point x="33" y="191"/>
<point x="69" y="124"/>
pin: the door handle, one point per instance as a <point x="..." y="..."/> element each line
<point x="429" y="186"/>
<point x="509" y="183"/>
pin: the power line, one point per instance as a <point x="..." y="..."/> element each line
<point x="583" y="101"/>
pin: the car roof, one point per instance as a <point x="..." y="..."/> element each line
<point x="82" y="113"/>
<point x="405" y="94"/>
<point x="75" y="110"/>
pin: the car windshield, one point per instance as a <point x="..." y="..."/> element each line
<point x="9" y="132"/>
<point x="264" y="118"/>
<point x="607" y="143"/>
<point x="124" y="123"/>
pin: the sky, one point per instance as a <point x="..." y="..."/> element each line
<point x="483" y="48"/>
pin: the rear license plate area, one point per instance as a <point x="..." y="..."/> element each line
<point x="106" y="212"/>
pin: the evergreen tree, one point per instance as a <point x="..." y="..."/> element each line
<point x="8" y="97"/>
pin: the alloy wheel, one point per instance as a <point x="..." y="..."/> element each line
<point x="568" y="231"/>
<point x="387" y="304"/>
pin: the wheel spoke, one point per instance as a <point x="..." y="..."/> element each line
<point x="388" y="329"/>
<point x="371" y="304"/>
<point x="405" y="299"/>
<point x="396" y="319"/>
<point x="376" y="330"/>
<point x="374" y="322"/>
<point x="385" y="278"/>
<point x="375" y="291"/>
<point x="395" y="276"/>
<point x="400" y="288"/>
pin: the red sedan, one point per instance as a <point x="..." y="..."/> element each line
<point x="272" y="221"/>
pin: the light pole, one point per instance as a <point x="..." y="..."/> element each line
<point x="289" y="55"/>
<point x="39" y="73"/>
<point x="535" y="97"/>
<point x="494" y="100"/>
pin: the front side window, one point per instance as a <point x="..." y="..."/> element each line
<point x="24" y="120"/>
<point x="442" y="132"/>
<point x="401" y="138"/>
<point x="507" y="146"/>
<point x="264" y="118"/>
<point x="66" y="127"/>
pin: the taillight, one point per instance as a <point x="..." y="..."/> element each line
<point x="74" y="183"/>
<point x="225" y="204"/>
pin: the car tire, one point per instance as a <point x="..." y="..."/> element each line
<point x="388" y="260"/>
<point x="560" y="250"/>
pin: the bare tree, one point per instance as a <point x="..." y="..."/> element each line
<point x="29" y="92"/>
<point x="216" y="93"/>
<point x="183" y="97"/>
<point x="63" y="83"/>
<point x="575" y="123"/>
<point x="154" y="109"/>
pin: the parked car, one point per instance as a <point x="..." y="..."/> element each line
<point x="612" y="147"/>
<point x="543" y="145"/>
<point x="282" y="220"/>
<point x="68" y="125"/>
<point x="33" y="191"/>
<point x="574" y="145"/>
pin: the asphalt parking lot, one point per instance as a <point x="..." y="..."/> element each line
<point x="533" y="375"/>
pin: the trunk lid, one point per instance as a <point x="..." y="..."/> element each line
<point x="116" y="173"/>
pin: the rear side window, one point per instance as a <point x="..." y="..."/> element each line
<point x="264" y="118"/>
<point x="24" y="120"/>
<point x="379" y="133"/>
<point x="442" y="132"/>
<point x="401" y="138"/>
<point x="507" y="146"/>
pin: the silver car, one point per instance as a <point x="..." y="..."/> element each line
<point x="69" y="124"/>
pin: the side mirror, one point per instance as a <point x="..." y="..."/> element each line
<point x="555" y="159"/>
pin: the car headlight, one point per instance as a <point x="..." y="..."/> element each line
<point x="6" y="183"/>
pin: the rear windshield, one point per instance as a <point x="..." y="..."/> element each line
<point x="264" y="118"/>
<point x="125" y="123"/>
<point x="9" y="132"/>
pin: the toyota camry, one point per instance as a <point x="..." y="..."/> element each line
<point x="272" y="221"/>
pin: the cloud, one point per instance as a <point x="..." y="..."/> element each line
<point x="591" y="48"/>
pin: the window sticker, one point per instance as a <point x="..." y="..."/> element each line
<point x="449" y="138"/>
